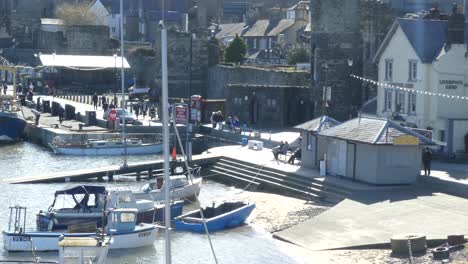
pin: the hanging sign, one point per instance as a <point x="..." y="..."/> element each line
<point x="181" y="114"/>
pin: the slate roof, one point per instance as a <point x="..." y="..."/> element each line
<point x="282" y="25"/>
<point x="318" y="124"/>
<point x="259" y="29"/>
<point x="373" y="131"/>
<point x="230" y="30"/>
<point x="427" y="37"/>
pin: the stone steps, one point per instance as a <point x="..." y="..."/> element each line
<point x="243" y="174"/>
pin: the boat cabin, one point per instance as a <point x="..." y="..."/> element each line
<point x="121" y="220"/>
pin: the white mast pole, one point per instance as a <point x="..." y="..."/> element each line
<point x="165" y="121"/>
<point x="122" y="77"/>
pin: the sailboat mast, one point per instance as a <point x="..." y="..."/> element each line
<point x="122" y="81"/>
<point x="165" y="121"/>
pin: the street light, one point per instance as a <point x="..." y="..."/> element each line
<point x="192" y="38"/>
<point x="116" y="79"/>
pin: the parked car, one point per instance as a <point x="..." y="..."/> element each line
<point x="138" y="92"/>
<point x="129" y="117"/>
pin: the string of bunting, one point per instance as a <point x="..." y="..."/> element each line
<point x="386" y="85"/>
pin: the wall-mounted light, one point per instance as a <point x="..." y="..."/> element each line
<point x="350" y="62"/>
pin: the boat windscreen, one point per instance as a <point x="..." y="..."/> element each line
<point x="83" y="189"/>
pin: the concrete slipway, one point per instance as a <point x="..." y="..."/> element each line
<point x="371" y="218"/>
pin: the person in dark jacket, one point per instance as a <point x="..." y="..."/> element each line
<point x="61" y="113"/>
<point x="95" y="101"/>
<point x="426" y="159"/>
<point x="296" y="155"/>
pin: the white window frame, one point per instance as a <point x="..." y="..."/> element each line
<point x="412" y="70"/>
<point x="400" y="98"/>
<point x="388" y="69"/>
<point x="388" y="100"/>
<point x="412" y="99"/>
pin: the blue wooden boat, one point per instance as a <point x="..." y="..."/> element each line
<point x="218" y="217"/>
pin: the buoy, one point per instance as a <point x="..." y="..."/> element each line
<point x="174" y="153"/>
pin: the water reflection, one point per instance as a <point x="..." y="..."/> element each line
<point x="241" y="245"/>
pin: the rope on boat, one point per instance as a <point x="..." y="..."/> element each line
<point x="195" y="194"/>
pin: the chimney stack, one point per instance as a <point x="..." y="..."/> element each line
<point x="456" y="27"/>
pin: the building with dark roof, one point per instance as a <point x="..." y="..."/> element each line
<point x="422" y="76"/>
<point x="373" y="150"/>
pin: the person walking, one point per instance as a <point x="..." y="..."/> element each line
<point x="5" y="88"/>
<point x="426" y="159"/>
<point x="152" y="112"/>
<point x="103" y="101"/>
<point x="95" y="101"/>
<point x="105" y="106"/>
<point x="61" y="113"/>
<point x="37" y="115"/>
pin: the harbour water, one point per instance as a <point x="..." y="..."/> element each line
<point x="246" y="244"/>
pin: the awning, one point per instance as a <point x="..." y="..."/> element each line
<point x="83" y="62"/>
<point x="83" y="189"/>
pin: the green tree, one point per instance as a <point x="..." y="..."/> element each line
<point x="78" y="13"/>
<point x="236" y="50"/>
<point x="298" y="53"/>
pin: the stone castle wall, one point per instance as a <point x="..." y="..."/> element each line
<point x="219" y="76"/>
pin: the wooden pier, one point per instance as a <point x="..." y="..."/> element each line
<point x="150" y="169"/>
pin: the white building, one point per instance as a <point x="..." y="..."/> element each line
<point x="416" y="55"/>
<point x="109" y="17"/>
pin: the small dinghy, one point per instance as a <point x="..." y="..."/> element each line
<point x="218" y="217"/>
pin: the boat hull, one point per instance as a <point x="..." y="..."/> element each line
<point x="49" y="241"/>
<point x="227" y="220"/>
<point x="186" y="192"/>
<point x="108" y="151"/>
<point x="11" y="126"/>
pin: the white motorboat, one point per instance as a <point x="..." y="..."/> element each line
<point x="182" y="187"/>
<point x="121" y="229"/>
<point x="112" y="147"/>
<point x="87" y="203"/>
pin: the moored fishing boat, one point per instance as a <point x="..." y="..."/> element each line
<point x="12" y="124"/>
<point x="182" y="187"/>
<point x="121" y="229"/>
<point x="217" y="217"/>
<point x="87" y="203"/>
<point x="111" y="147"/>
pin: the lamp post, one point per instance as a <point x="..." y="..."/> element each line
<point x="188" y="128"/>
<point x="350" y="65"/>
<point x="192" y="37"/>
<point x="116" y="79"/>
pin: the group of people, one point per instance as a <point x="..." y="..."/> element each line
<point x="141" y="108"/>
<point x="283" y="148"/>
<point x="104" y="102"/>
<point x="217" y="119"/>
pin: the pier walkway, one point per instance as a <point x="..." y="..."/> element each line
<point x="136" y="169"/>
